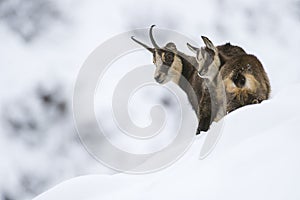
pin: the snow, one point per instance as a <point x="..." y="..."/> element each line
<point x="256" y="156"/>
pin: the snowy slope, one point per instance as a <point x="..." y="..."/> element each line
<point x="257" y="158"/>
<point x="249" y="160"/>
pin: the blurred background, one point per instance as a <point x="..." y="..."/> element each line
<point x="45" y="42"/>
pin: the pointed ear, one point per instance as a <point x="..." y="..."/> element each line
<point x="171" y="46"/>
<point x="208" y="43"/>
<point x="192" y="48"/>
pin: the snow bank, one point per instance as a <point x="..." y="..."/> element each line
<point x="257" y="157"/>
<point x="241" y="163"/>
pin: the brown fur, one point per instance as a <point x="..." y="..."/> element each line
<point x="202" y="102"/>
<point x="237" y="64"/>
<point x="243" y="75"/>
<point x="256" y="88"/>
<point x="227" y="51"/>
<point x="230" y="67"/>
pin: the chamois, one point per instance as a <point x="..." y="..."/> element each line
<point x="209" y="63"/>
<point x="243" y="75"/>
<point x="228" y="66"/>
<point x="245" y="80"/>
<point x="173" y="65"/>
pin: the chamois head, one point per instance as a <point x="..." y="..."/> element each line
<point x="168" y="63"/>
<point x="207" y="58"/>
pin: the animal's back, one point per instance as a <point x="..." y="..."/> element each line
<point x="228" y="51"/>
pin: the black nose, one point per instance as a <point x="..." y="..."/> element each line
<point x="201" y="72"/>
<point x="158" y="78"/>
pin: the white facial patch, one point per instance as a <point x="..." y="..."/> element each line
<point x="200" y="59"/>
<point x="158" y="64"/>
<point x="175" y="70"/>
<point x="212" y="68"/>
<point x="212" y="72"/>
<point x="158" y="60"/>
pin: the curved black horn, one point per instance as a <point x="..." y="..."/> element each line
<point x="152" y="39"/>
<point x="142" y="44"/>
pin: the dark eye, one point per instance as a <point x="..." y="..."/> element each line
<point x="169" y="57"/>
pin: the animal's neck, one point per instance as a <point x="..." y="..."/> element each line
<point x="216" y="89"/>
<point x="190" y="82"/>
<point x="188" y="72"/>
<point x="176" y="69"/>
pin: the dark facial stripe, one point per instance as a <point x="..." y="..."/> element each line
<point x="164" y="69"/>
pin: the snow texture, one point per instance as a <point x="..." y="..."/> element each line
<point x="43" y="46"/>
<point x="257" y="158"/>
